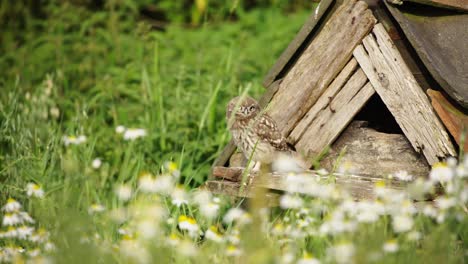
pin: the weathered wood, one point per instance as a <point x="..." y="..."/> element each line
<point x="228" y="173"/>
<point x="370" y="152"/>
<point x="439" y="38"/>
<point x="293" y="47"/>
<point x="329" y="122"/>
<point x="324" y="101"/>
<point x="320" y="63"/>
<point x="358" y="186"/>
<point x="400" y="92"/>
<point x="232" y="189"/>
<point x="454" y="120"/>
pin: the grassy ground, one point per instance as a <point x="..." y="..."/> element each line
<point x="83" y="73"/>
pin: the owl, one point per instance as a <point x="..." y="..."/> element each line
<point x="255" y="133"/>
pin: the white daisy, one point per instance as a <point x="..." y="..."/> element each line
<point x="34" y="190"/>
<point x="11" y="206"/>
<point x="134" y="133"/>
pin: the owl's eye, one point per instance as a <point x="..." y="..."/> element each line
<point x="251" y="108"/>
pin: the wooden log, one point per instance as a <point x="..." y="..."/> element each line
<point x="370" y="152"/>
<point x="327" y="123"/>
<point x="294" y="46"/>
<point x="454" y="120"/>
<point x="320" y="63"/>
<point x="402" y="95"/>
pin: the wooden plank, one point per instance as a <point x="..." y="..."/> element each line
<point x="331" y="121"/>
<point x="228" y="173"/>
<point x="324" y="101"/>
<point x="304" y="33"/>
<point x="320" y="63"/>
<point x="370" y="152"/>
<point x="402" y="95"/>
<point x="359" y="186"/>
<point x="454" y="120"/>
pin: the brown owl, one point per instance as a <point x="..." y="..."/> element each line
<point x="254" y="131"/>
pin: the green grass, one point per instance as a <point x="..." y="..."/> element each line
<point x="84" y="72"/>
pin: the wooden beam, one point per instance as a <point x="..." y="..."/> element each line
<point x="359" y="186"/>
<point x="294" y="46"/>
<point x="320" y="63"/>
<point x="324" y="101"/>
<point x="402" y="95"/>
<point x="370" y="152"/>
<point x="327" y="123"/>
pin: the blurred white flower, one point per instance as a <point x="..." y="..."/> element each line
<point x="24" y="231"/>
<point x="96" y="208"/>
<point x="342" y="253"/>
<point x="123" y="192"/>
<point x="147" y="183"/>
<point x="120" y="129"/>
<point x="201" y="197"/>
<point x="54" y="112"/>
<point x="430" y="211"/>
<point x="414" y="236"/>
<point x="188" y="224"/>
<point x="288" y="201"/>
<point x="236" y="215"/>
<point x="179" y="196"/>
<point x="402" y="223"/>
<point x="187" y="248"/>
<point x="209" y="210"/>
<point x="164" y="184"/>
<point x="390" y="246"/>
<point x="172" y="168"/>
<point x="403" y="176"/>
<point x="233" y="251"/>
<point x="147" y="228"/>
<point x="213" y="235"/>
<point x="96" y="164"/>
<point x="287" y="258"/>
<point x="73" y="140"/>
<point x="11" y="206"/>
<point x="134" y="133"/>
<point x="451" y="162"/>
<point x="441" y="173"/>
<point x="10" y="219"/>
<point x="286" y="163"/>
<point x="173" y="240"/>
<point x="308" y="260"/>
<point x="34" y="190"/>
<point x="445" y="202"/>
<point x="133" y="250"/>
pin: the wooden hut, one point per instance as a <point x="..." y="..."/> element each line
<point x="347" y="89"/>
